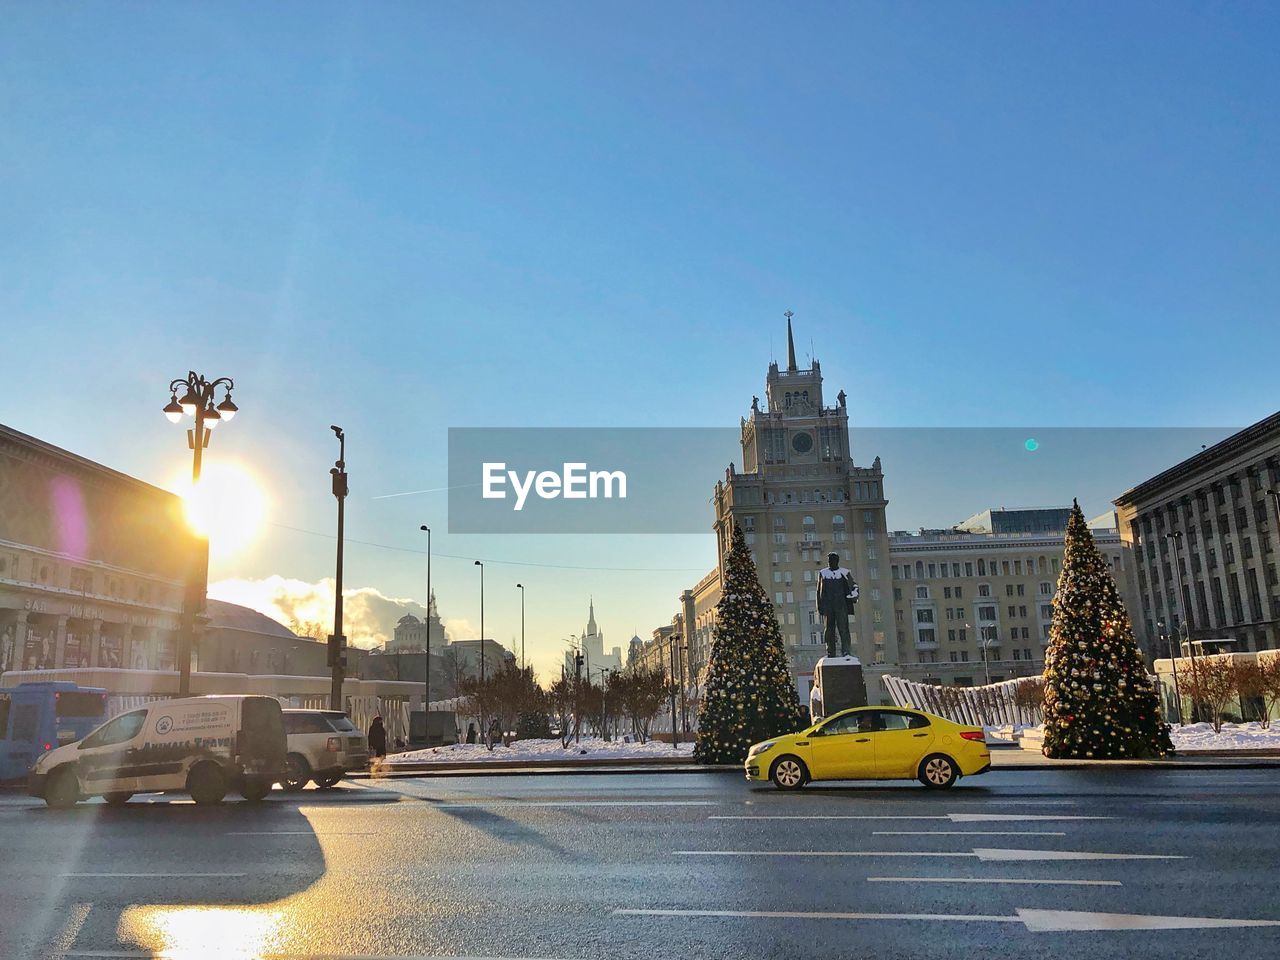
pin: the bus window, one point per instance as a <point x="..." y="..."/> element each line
<point x="26" y="721"/>
<point x="4" y="715"/>
<point x="73" y="703"/>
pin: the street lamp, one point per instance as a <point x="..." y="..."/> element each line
<point x="1184" y="625"/>
<point x="1177" y="695"/>
<point x="198" y="402"/>
<point x="675" y="731"/>
<point x="481" y="566"/>
<point x="684" y="706"/>
<point x="982" y="645"/>
<point x="337" y="661"/>
<point x="426" y="704"/>
<point x="520" y="587"/>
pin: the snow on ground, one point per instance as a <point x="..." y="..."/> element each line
<point x="1196" y="736"/>
<point x="591" y="748"/>
<point x="1233" y="736"/>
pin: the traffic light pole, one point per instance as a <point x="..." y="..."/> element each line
<point x="338" y="642"/>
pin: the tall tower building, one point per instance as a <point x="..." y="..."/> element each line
<point x="798" y="497"/>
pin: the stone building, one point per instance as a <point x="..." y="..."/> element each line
<point x="799" y="496"/>
<point x="411" y="634"/>
<point x="591" y="643"/>
<point x="91" y="562"/>
<point x="972" y="608"/>
<point x="1203" y="534"/>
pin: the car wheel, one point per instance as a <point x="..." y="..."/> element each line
<point x="296" y="772"/>
<point x="206" y="783"/>
<point x="324" y="783"/>
<point x="118" y="798"/>
<point x="789" y="773"/>
<point x="938" y="771"/>
<point x="255" y="788"/>
<point x="63" y="792"/>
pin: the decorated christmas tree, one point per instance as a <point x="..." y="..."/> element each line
<point x="1099" y="702"/>
<point x="750" y="695"/>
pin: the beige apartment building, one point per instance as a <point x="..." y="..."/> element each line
<point x="973" y="608"/>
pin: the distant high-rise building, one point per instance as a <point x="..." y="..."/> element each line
<point x="591" y="643"/>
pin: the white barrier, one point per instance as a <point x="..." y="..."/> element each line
<point x="991" y="705"/>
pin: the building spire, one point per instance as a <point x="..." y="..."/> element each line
<point x="591" y="618"/>
<point x="791" y="345"/>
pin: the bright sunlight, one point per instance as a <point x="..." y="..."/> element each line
<point x="227" y="506"/>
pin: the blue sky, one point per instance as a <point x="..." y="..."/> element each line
<point x="405" y="217"/>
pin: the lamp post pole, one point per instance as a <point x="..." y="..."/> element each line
<point x="338" y="642"/>
<point x="1184" y="625"/>
<point x="520" y="586"/>
<point x="684" y="706"/>
<point x="986" y="667"/>
<point x="675" y="729"/>
<point x="482" y="672"/>
<point x="426" y="703"/>
<point x="197" y="401"/>
<point x="1177" y="694"/>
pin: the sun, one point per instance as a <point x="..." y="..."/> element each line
<point x="227" y="506"/>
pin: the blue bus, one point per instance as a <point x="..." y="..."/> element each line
<point x="35" y="717"/>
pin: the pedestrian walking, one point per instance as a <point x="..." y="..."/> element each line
<point x="471" y="733"/>
<point x="377" y="738"/>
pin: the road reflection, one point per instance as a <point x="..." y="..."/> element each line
<point x="204" y="933"/>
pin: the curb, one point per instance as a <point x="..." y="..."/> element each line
<point x="536" y="770"/>
<point x="569" y="762"/>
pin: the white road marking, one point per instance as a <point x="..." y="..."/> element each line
<point x="1036" y="921"/>
<point x="148" y="876"/>
<point x="985" y="854"/>
<point x="997" y="880"/>
<point x="818" y="853"/>
<point x="989" y="854"/>
<point x="301" y="833"/>
<point x="578" y="803"/>
<point x="953" y="817"/>
<point x="966" y="833"/>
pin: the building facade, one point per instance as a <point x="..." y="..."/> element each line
<point x="976" y="608"/>
<point x="1204" y="538"/>
<point x="799" y="496"/>
<point x="91" y="563"/>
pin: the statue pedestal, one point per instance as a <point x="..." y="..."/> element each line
<point x="837" y="685"/>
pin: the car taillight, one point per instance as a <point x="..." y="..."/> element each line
<point x="972" y="735"/>
<point x="332" y="745"/>
<point x="48" y="746"/>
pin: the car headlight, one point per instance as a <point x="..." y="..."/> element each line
<point x="760" y="748"/>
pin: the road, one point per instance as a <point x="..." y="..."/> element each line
<point x="659" y="865"/>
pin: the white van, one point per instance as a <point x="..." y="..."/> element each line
<point x="205" y="746"/>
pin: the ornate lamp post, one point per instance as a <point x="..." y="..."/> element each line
<point x="198" y="402"/>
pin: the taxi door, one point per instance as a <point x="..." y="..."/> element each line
<point x="843" y="748"/>
<point x="902" y="741"/>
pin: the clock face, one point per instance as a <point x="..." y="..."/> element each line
<point x="802" y="443"/>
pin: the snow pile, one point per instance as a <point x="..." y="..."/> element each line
<point x="545" y="751"/>
<point x="1195" y="736"/>
<point x="1234" y="736"/>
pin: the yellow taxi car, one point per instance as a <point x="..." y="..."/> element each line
<point x="872" y="743"/>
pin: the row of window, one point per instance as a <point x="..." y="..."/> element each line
<point x="79" y="580"/>
<point x="1017" y="567"/>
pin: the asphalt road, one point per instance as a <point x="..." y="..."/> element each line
<point x="551" y="866"/>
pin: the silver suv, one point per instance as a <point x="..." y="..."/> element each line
<point x="323" y="745"/>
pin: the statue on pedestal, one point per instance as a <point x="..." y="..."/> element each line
<point x="837" y="593"/>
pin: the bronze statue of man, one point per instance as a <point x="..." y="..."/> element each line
<point x="837" y="593"/>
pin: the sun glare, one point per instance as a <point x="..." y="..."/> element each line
<point x="227" y="506"/>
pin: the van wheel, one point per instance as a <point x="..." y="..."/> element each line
<point x="255" y="788"/>
<point x="206" y="783"/>
<point x="63" y="792"/>
<point x="119" y="798"/>
<point x="789" y="773"/>
<point x="938" y="771"/>
<point x="296" y="772"/>
<point x="324" y="783"/>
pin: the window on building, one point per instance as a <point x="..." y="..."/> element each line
<point x="922" y="593"/>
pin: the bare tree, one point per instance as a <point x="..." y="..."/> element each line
<point x="1211" y="681"/>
